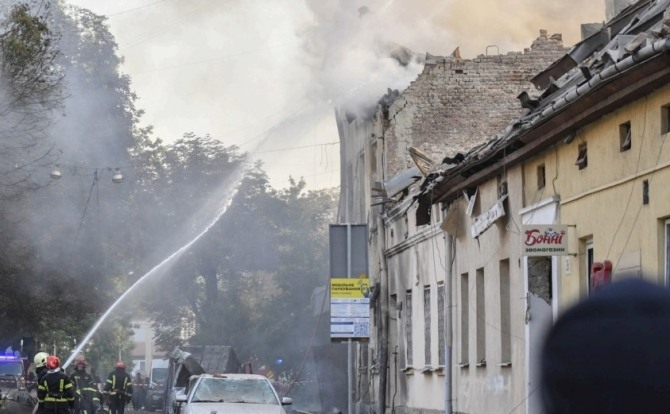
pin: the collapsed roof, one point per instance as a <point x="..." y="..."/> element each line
<point x="593" y="78"/>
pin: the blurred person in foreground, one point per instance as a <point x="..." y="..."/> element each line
<point x="55" y="392"/>
<point x="610" y="353"/>
<point x="119" y="389"/>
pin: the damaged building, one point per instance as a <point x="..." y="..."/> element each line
<point x="450" y="173"/>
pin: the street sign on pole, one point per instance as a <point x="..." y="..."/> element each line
<point x="349" y="284"/>
<point x="348" y="259"/>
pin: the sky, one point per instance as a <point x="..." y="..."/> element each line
<point x="266" y="75"/>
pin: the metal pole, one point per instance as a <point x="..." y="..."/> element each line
<point x="350" y="354"/>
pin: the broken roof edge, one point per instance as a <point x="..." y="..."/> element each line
<point x="401" y="181"/>
<point x="585" y="48"/>
<point x="519" y="138"/>
<point x="575" y="92"/>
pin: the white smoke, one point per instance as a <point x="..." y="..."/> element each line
<point x="239" y="69"/>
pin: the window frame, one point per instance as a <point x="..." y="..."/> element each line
<point x="427" y="321"/>
<point x="665" y="119"/>
<point x="409" y="345"/>
<point x="582" y="157"/>
<point x="588" y="257"/>
<point x="625" y="136"/>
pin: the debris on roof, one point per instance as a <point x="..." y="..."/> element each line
<point x="640" y="33"/>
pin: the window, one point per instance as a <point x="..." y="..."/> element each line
<point x="473" y="208"/>
<point x="540" y="177"/>
<point x="426" y="325"/>
<point x="481" y="318"/>
<point x="505" y="315"/>
<point x="665" y="119"/>
<point x="502" y="187"/>
<point x="667" y="252"/>
<point x="589" y="262"/>
<point x="408" y="329"/>
<point x="645" y="192"/>
<point x="582" y="159"/>
<point x="465" y="321"/>
<point x="441" y="327"/>
<point x="624" y="136"/>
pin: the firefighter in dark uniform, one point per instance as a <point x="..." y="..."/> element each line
<point x="55" y="392"/>
<point x="85" y="391"/>
<point x="40" y="360"/>
<point x="118" y="388"/>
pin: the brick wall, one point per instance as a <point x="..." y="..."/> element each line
<point x="455" y="104"/>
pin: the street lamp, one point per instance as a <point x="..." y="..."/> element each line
<point x="55" y="174"/>
<point x="117" y="178"/>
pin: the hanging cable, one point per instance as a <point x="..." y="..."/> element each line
<point x="83" y="215"/>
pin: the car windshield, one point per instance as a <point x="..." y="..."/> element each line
<point x="11" y="368"/>
<point x="159" y="375"/>
<point x="234" y="390"/>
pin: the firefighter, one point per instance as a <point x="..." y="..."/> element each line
<point x="91" y="401"/>
<point x="40" y="360"/>
<point x="54" y="390"/>
<point x="83" y="383"/>
<point x="118" y="388"/>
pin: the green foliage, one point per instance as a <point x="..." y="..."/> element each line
<point x="62" y="267"/>
<point x="28" y="55"/>
<point x="248" y="282"/>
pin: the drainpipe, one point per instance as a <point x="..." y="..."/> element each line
<point x="448" y="398"/>
<point x="384" y="319"/>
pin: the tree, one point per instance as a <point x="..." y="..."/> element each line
<point x="250" y="278"/>
<point x="30" y="87"/>
<point x="63" y="244"/>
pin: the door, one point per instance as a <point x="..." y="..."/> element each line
<point x="541" y="289"/>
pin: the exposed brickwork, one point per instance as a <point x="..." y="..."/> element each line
<point x="456" y="104"/>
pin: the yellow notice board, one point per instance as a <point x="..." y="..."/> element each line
<point x="350" y="308"/>
<point x="354" y="288"/>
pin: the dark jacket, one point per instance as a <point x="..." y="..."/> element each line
<point x="81" y="379"/>
<point x="39" y="374"/>
<point x="55" y="392"/>
<point x="119" y="384"/>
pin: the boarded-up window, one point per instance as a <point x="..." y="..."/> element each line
<point x="465" y="322"/>
<point x="408" y="329"/>
<point x="441" y="328"/>
<point x="426" y="325"/>
<point x="481" y="318"/>
<point x="505" y="315"/>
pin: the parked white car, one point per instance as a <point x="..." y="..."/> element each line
<point x="230" y="394"/>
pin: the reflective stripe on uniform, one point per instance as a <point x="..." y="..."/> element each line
<point x="60" y="397"/>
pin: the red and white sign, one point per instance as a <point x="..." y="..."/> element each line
<point x="544" y="240"/>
